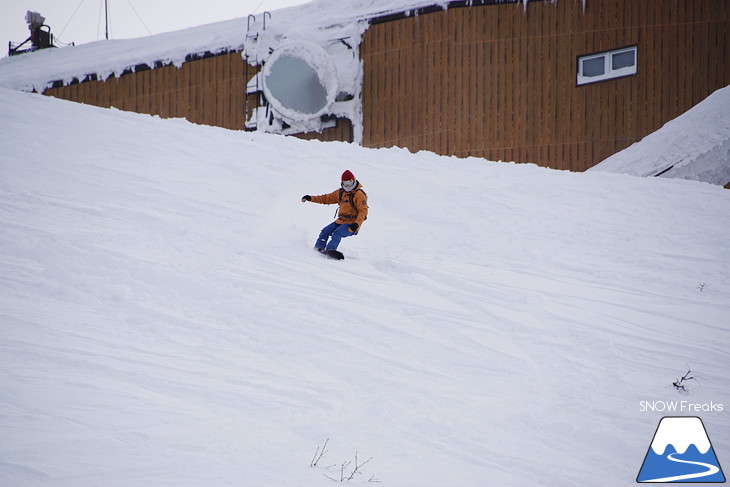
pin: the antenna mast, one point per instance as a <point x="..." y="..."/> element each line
<point x="106" y="18"/>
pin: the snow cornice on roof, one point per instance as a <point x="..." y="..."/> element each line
<point x="100" y="60"/>
<point x="441" y="6"/>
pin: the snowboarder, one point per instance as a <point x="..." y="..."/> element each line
<point x="352" y="212"/>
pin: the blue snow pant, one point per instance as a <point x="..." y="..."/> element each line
<point x="335" y="232"/>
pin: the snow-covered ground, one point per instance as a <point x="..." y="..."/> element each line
<point x="695" y="145"/>
<point x="164" y="320"/>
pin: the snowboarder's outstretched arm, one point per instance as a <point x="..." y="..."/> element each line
<point x="325" y="199"/>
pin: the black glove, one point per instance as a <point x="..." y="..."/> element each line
<point x="306" y="197"/>
<point x="353" y="227"/>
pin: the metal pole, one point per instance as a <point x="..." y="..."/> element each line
<point x="106" y="18"/>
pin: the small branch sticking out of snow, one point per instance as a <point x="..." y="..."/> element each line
<point x="319" y="454"/>
<point x="681" y="383"/>
<point x="348" y="470"/>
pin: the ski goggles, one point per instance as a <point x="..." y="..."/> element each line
<point x="349" y="184"/>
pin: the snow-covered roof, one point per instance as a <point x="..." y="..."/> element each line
<point x="38" y="70"/>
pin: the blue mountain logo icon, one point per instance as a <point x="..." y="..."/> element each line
<point x="681" y="452"/>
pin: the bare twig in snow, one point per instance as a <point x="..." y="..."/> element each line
<point x="357" y="467"/>
<point x="319" y="454"/>
<point x="347" y="475"/>
<point x="681" y="383"/>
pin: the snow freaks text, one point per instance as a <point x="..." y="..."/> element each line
<point x="680" y="407"/>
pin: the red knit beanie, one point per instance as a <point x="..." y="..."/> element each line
<point x="348" y="176"/>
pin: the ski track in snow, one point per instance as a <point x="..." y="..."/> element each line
<point x="165" y="320"/>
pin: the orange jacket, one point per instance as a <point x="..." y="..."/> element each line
<point x="353" y="204"/>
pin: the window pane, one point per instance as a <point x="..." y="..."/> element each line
<point x="622" y="60"/>
<point x="594" y="67"/>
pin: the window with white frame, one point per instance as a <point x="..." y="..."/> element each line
<point x="607" y="65"/>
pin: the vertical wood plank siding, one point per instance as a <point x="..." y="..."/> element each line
<point x="499" y="81"/>
<point x="210" y="91"/>
<point x="493" y="81"/>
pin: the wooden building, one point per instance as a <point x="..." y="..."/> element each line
<point x="563" y="84"/>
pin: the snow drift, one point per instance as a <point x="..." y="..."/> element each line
<point x="695" y="145"/>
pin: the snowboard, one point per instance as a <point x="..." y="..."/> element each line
<point x="333" y="254"/>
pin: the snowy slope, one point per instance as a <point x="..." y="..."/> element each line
<point x="164" y="321"/>
<point x="695" y="145"/>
